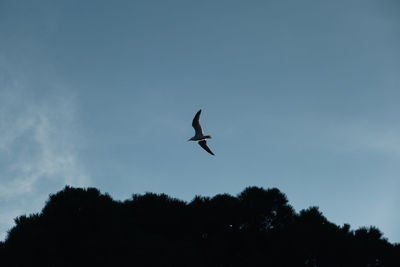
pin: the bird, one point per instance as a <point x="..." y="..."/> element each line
<point x="198" y="135"/>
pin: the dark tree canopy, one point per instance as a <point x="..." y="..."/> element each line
<point x="82" y="227"/>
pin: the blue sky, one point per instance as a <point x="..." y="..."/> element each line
<point x="299" y="95"/>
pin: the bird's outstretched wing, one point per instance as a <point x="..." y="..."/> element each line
<point x="196" y="124"/>
<point x="203" y="144"/>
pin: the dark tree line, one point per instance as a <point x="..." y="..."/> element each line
<point x="82" y="227"/>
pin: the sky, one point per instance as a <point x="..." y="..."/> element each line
<point x="298" y="95"/>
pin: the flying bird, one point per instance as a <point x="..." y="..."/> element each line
<point x="198" y="135"/>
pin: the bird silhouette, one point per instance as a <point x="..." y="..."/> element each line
<point x="198" y="135"/>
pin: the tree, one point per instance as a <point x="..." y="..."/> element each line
<point x="258" y="227"/>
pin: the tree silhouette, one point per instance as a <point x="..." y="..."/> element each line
<point x="258" y="227"/>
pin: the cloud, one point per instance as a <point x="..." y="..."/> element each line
<point x="38" y="150"/>
<point x="377" y="144"/>
<point x="363" y="136"/>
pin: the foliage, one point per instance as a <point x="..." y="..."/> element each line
<point x="82" y="227"/>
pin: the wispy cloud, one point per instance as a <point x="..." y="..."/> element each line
<point x="364" y="136"/>
<point x="38" y="151"/>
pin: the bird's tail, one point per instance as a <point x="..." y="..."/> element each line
<point x="207" y="137"/>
